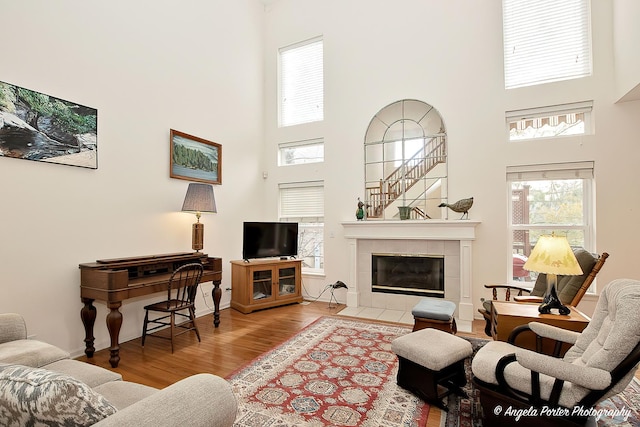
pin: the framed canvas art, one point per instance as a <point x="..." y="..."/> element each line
<point x="195" y="159"/>
<point x="36" y="126"/>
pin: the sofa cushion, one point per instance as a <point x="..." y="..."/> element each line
<point x="33" y="396"/>
<point x="30" y="353"/>
<point x="124" y="393"/>
<point x="87" y="373"/>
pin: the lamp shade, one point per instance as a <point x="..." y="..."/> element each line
<point x="199" y="198"/>
<point x="553" y="255"/>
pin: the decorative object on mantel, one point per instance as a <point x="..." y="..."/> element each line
<point x="195" y="159"/>
<point x="404" y="212"/>
<point x="361" y="212"/>
<point x="461" y="206"/>
<point x="552" y="255"/>
<point x="199" y="199"/>
<point x="36" y="126"/>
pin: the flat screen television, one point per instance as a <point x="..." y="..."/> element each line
<point x="269" y="239"/>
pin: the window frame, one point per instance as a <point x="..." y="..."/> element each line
<point x="282" y="147"/>
<point x="312" y="92"/>
<point x="549" y="112"/>
<point x="546" y="41"/>
<point x="553" y="172"/>
<point x="310" y="213"/>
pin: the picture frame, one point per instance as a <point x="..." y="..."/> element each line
<point x="41" y="127"/>
<point x="195" y="159"/>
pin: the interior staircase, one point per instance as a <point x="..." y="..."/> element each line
<point x="404" y="177"/>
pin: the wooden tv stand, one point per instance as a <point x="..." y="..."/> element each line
<point x="260" y="284"/>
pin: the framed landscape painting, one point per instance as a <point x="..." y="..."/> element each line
<point x="195" y="159"/>
<point x="36" y="126"/>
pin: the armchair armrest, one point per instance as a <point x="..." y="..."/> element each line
<point x="528" y="298"/>
<point x="201" y="400"/>
<point x="553" y="332"/>
<point x="584" y="376"/>
<point x="12" y="327"/>
<point x="505" y="286"/>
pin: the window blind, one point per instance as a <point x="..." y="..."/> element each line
<point x="301" y="83"/>
<point x="571" y="170"/>
<point x="545" y="41"/>
<point x="302" y="200"/>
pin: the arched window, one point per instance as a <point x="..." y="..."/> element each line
<point x="405" y="155"/>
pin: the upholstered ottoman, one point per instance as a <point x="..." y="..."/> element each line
<point x="434" y="313"/>
<point x="431" y="364"/>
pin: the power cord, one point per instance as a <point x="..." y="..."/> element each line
<point x="333" y="286"/>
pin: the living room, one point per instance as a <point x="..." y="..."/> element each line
<point x="210" y="69"/>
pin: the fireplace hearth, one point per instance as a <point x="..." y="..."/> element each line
<point x="421" y="275"/>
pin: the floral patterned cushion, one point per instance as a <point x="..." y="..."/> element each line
<point x="33" y="396"/>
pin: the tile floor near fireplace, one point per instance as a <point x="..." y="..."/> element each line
<point x="381" y="314"/>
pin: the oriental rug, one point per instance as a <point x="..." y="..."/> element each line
<point x="467" y="412"/>
<point x="335" y="372"/>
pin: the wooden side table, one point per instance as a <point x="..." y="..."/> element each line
<point x="505" y="316"/>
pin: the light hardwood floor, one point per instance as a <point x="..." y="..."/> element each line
<point x="239" y="339"/>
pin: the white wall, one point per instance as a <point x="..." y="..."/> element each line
<point x="449" y="54"/>
<point x="203" y="68"/>
<point x="147" y="66"/>
<point x="626" y="36"/>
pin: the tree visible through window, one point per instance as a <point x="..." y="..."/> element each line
<point x="545" y="202"/>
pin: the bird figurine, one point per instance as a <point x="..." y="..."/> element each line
<point x="461" y="206"/>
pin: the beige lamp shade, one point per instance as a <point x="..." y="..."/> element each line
<point x="553" y="255"/>
<point x="199" y="198"/>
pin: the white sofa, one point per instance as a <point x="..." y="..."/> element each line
<point x="39" y="383"/>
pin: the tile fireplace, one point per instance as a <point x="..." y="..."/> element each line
<point x="447" y="240"/>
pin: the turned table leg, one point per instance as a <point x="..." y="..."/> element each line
<point x="114" y="322"/>
<point x="88" y="316"/>
<point x="217" y="295"/>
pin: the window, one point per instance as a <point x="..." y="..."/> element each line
<point x="301" y="89"/>
<point x="545" y="122"/>
<point x="549" y="198"/>
<point x="304" y="203"/>
<point x="545" y="41"/>
<point x="297" y="153"/>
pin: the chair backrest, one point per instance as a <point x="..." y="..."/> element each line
<point x="611" y="341"/>
<point x="184" y="283"/>
<point x="571" y="289"/>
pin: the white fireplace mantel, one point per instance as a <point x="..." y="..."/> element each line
<point x="462" y="231"/>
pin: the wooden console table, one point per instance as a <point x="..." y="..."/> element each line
<point x="115" y="280"/>
<point x="505" y="316"/>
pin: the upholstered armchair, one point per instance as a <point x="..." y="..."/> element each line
<point x="571" y="289"/>
<point x="601" y="363"/>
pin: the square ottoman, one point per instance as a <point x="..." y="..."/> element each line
<point x="431" y="364"/>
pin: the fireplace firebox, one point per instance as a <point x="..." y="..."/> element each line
<point x="421" y="275"/>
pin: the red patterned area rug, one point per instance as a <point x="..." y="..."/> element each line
<point x="335" y="372"/>
<point x="467" y="412"/>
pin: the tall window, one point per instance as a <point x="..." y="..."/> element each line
<point x="554" y="198"/>
<point x="304" y="203"/>
<point x="545" y="41"/>
<point x="301" y="89"/>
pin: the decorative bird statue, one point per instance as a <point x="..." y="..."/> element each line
<point x="462" y="205"/>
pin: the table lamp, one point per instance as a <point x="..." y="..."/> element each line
<point x="552" y="255"/>
<point x="199" y="199"/>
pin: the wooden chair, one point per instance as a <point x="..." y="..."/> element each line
<point x="571" y="289"/>
<point x="180" y="302"/>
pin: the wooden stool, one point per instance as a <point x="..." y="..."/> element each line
<point x="434" y="313"/>
<point x="430" y="358"/>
